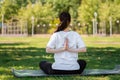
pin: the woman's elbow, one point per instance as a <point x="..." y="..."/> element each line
<point x="47" y="50"/>
<point x="84" y="50"/>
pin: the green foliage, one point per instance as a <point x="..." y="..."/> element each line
<point x="65" y="5"/>
<point x="86" y="13"/>
<point x="54" y="23"/>
<point x="45" y="11"/>
<point x="104" y="9"/>
<point x="41" y="13"/>
<point x="9" y="9"/>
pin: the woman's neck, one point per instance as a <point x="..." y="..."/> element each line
<point x="66" y="30"/>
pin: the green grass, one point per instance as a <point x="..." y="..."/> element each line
<point x="27" y="52"/>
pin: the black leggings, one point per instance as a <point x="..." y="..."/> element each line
<point x="47" y="68"/>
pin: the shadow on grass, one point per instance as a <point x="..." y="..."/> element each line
<point x="12" y="44"/>
<point x="20" y="57"/>
<point x="29" y="57"/>
<point x="104" y="57"/>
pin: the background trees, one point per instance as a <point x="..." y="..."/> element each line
<point x="105" y="9"/>
<point x="45" y="13"/>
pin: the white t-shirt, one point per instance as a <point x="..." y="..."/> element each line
<point x="65" y="60"/>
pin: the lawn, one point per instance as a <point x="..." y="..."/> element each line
<point x="27" y="52"/>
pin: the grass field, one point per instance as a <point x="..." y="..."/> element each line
<point x="27" y="52"/>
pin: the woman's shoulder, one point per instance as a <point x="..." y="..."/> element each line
<point x="54" y="34"/>
<point x="74" y="32"/>
<point x="61" y="33"/>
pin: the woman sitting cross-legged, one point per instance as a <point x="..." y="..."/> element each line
<point x="65" y="44"/>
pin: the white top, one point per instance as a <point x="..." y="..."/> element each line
<point x="65" y="60"/>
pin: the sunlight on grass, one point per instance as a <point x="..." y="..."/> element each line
<point x="5" y="77"/>
<point x="47" y="56"/>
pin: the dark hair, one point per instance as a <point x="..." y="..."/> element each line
<point x="65" y="19"/>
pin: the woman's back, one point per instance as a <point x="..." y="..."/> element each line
<point x="65" y="60"/>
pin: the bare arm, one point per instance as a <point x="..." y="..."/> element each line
<point x="65" y="48"/>
<point x="50" y="50"/>
<point x="77" y="50"/>
<point x="74" y="50"/>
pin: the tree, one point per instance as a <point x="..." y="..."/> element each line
<point x="86" y="14"/>
<point x="42" y="14"/>
<point x="47" y="11"/>
<point x="65" y="5"/>
<point x="109" y="10"/>
<point x="9" y="9"/>
<point x="104" y="9"/>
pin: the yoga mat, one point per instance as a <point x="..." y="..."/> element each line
<point x="86" y="72"/>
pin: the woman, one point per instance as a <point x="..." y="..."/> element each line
<point x="65" y="44"/>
